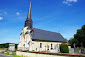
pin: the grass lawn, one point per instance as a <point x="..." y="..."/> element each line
<point x="17" y="56"/>
<point x="3" y="48"/>
<point x="9" y="53"/>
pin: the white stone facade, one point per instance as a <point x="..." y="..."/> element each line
<point x="25" y="40"/>
<point x="26" y="43"/>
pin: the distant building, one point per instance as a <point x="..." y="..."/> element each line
<point x="11" y="47"/>
<point x="38" y="39"/>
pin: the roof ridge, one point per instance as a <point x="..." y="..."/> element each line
<point x="46" y="30"/>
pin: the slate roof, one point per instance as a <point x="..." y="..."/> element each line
<point x="39" y="34"/>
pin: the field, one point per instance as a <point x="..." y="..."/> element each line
<point x="3" y="48"/>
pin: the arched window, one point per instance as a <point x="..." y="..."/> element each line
<point x="51" y="46"/>
<point x="40" y="45"/>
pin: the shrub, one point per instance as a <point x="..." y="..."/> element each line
<point x="64" y="48"/>
<point x="33" y="50"/>
<point x="42" y="51"/>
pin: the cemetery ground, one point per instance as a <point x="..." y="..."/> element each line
<point x="13" y="54"/>
<point x="4" y="52"/>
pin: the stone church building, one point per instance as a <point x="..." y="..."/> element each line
<point x="34" y="39"/>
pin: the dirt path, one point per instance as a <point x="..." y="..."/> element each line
<point x="2" y="55"/>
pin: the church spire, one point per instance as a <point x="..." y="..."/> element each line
<point x="28" y="22"/>
<point x="29" y="13"/>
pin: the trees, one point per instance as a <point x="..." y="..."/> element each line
<point x="72" y="41"/>
<point x="6" y="45"/>
<point x="79" y="37"/>
<point x="64" y="48"/>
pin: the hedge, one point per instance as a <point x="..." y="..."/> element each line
<point x="64" y="48"/>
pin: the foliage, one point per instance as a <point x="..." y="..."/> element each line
<point x="6" y="45"/>
<point x="16" y="46"/>
<point x="64" y="48"/>
<point x="33" y="50"/>
<point x="3" y="48"/>
<point x="79" y="38"/>
<point x="42" y="51"/>
<point x="72" y="41"/>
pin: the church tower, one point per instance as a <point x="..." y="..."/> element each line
<point x="28" y="22"/>
<point x="25" y="40"/>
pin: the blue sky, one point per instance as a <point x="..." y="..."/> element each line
<point x="63" y="16"/>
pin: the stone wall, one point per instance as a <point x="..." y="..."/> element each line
<point x="45" y="54"/>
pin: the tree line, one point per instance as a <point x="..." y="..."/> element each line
<point x="6" y="45"/>
<point x="79" y="38"/>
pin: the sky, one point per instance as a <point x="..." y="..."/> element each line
<point x="62" y="16"/>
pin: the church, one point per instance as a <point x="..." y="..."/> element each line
<point x="34" y="39"/>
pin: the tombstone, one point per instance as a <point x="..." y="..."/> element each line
<point x="71" y="50"/>
<point x="11" y="47"/>
<point x="74" y="48"/>
<point x="82" y="49"/>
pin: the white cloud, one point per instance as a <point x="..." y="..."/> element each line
<point x="65" y="2"/>
<point x="72" y="0"/>
<point x="18" y="13"/>
<point x="1" y="18"/>
<point x="68" y="2"/>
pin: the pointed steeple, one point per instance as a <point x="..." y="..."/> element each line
<point x="29" y="13"/>
<point x="28" y="22"/>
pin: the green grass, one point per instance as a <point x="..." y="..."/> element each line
<point x="33" y="50"/>
<point x="3" y="48"/>
<point x="13" y="53"/>
<point x="42" y="51"/>
<point x="9" y="53"/>
<point x="17" y="56"/>
<point x="79" y="53"/>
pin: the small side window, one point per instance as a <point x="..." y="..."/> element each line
<point x="51" y="46"/>
<point x="40" y="45"/>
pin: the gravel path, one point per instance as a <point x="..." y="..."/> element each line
<point x="2" y="55"/>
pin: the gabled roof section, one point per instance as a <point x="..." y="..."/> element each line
<point x="39" y="34"/>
